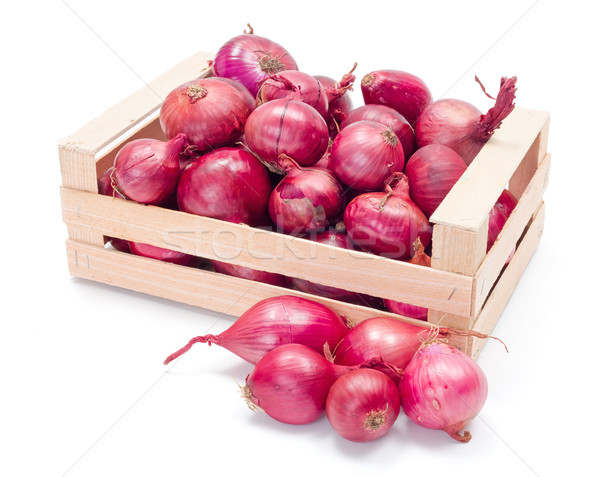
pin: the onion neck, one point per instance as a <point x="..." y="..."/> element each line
<point x="177" y="144"/>
<point x="198" y="339"/>
<point x="505" y="103"/>
<point x="288" y="165"/>
<point x="344" y="85"/>
<point x="419" y="256"/>
<point x="196" y="92"/>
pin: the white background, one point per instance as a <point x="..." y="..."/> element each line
<point x="83" y="391"/>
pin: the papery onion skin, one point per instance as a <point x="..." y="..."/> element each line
<point x="228" y="184"/>
<point x="365" y="154"/>
<point x="387" y="223"/>
<point x="147" y="170"/>
<point x="443" y="388"/>
<point x="289" y="127"/>
<point x="362" y="405"/>
<point x="402" y="91"/>
<point x="105" y="187"/>
<point x="432" y="172"/>
<point x="249" y="273"/>
<point x="273" y="322"/>
<point x="250" y="59"/>
<point x="162" y="254"/>
<point x="388" y="117"/>
<point x="212" y="112"/>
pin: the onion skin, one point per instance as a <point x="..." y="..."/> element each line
<point x="162" y="254"/>
<point x="105" y="188"/>
<point x="443" y="388"/>
<point x="289" y="127"/>
<point x="339" y="101"/>
<point x="212" y="112"/>
<point x="460" y="125"/>
<point x="365" y="154"/>
<point x="507" y="202"/>
<point x="249" y="273"/>
<point x="147" y="170"/>
<point x="273" y="322"/>
<point x="362" y="405"/>
<point x="388" y="117"/>
<point x="227" y="184"/>
<point x="250" y="59"/>
<point x="387" y="223"/>
<point x="432" y="171"/>
<point x="404" y="92"/>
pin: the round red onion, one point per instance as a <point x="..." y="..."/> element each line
<point x="105" y="187"/>
<point x="443" y="388"/>
<point x="460" y="125"/>
<point x="404" y="92"/>
<point x="307" y="199"/>
<point x="362" y="405"/>
<point x="388" y="117"/>
<point x="147" y="170"/>
<point x="432" y="171"/>
<point x="290" y="127"/>
<point x="365" y="154"/>
<point x="387" y="223"/>
<point x="250" y="59"/>
<point x="228" y="184"/>
<point x="163" y="254"/>
<point x="212" y="112"/>
<point x="249" y="273"/>
<point x="273" y="322"/>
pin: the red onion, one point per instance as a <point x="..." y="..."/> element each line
<point x="325" y="161"/>
<point x="290" y="127"/>
<point x="506" y="202"/>
<point x="249" y="273"/>
<point x="388" y="117"/>
<point x="306" y="199"/>
<point x="443" y="388"/>
<point x="340" y="103"/>
<point x="250" y="59"/>
<point x="228" y="184"/>
<point x="404" y="92"/>
<point x="273" y="322"/>
<point x="362" y="405"/>
<point x="105" y="187"/>
<point x="365" y="154"/>
<point x="387" y="223"/>
<point x="432" y="171"/>
<point x="291" y="383"/>
<point x="296" y="85"/>
<point x="147" y="170"/>
<point x="163" y="254"/>
<point x="460" y="125"/>
<point x="212" y="112"/>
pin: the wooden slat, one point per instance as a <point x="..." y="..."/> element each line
<point x="511" y="232"/>
<point x="274" y="252"/>
<point x="473" y="196"/>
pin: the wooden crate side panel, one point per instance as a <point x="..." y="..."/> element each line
<point x="274" y="252"/>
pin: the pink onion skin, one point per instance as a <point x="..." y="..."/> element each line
<point x="162" y="254"/>
<point x="443" y="388"/>
<point x="507" y="202"/>
<point x="460" y="125"/>
<point x="212" y="112"/>
<point x="432" y="171"/>
<point x="290" y="127"/>
<point x="105" y="188"/>
<point x="306" y="199"/>
<point x="147" y="170"/>
<point x="365" y="154"/>
<point x="249" y="273"/>
<point x="250" y="59"/>
<point x="362" y="405"/>
<point x="387" y="223"/>
<point x="273" y="322"/>
<point x="388" y="117"/>
<point x="227" y="184"/>
<point x="297" y="85"/>
<point x="404" y="92"/>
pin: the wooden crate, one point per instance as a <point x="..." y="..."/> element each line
<point x="465" y="287"/>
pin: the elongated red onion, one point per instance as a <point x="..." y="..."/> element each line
<point x="290" y="127"/>
<point x="296" y="85"/>
<point x="460" y="125"/>
<point x="362" y="405"/>
<point x="365" y="154"/>
<point x="147" y="170"/>
<point x="250" y="59"/>
<point x="212" y="112"/>
<point x="105" y="187"/>
<point x="291" y="382"/>
<point x="404" y="92"/>
<point x="432" y="171"/>
<point x="443" y="388"/>
<point x="387" y="116"/>
<point x="387" y="223"/>
<point x="228" y="184"/>
<point x="249" y="273"/>
<point x="163" y="254"/>
<point x="306" y="199"/>
<point x="340" y="102"/>
<point x="273" y="322"/>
